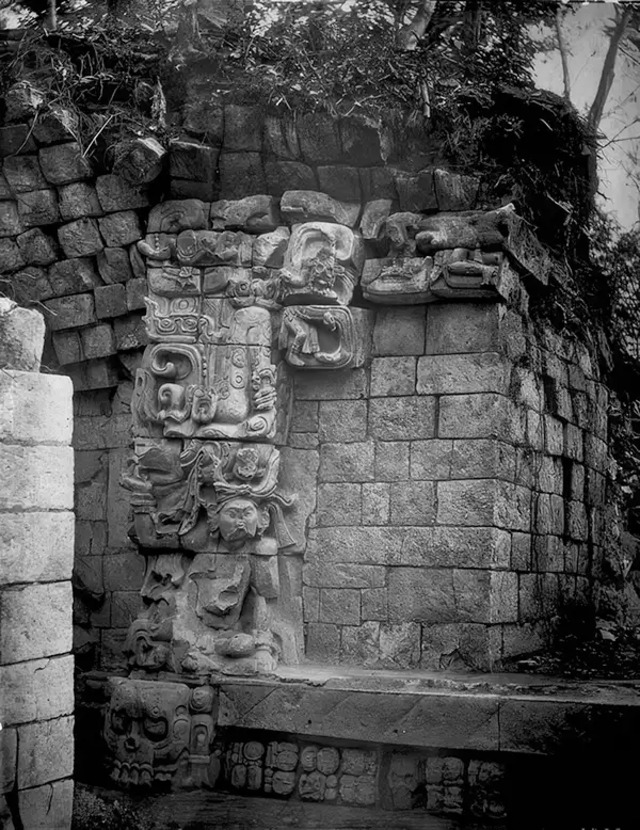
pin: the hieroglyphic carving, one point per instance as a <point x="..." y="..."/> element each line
<point x="161" y="733"/>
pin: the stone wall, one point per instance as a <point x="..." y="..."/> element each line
<point x="443" y="479"/>
<point x="36" y="529"/>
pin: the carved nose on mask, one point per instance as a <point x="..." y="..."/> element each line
<point x="131" y="743"/>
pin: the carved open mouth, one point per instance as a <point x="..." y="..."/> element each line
<point x="133" y="774"/>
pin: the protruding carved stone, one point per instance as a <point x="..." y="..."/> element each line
<point x="161" y="734"/>
<point x="322" y="264"/>
<point x="178" y="215"/>
<point x="311" y="206"/>
<point x="398" y="281"/>
<point x="139" y="161"/>
<point x="318" y="337"/>
<point x="257" y="214"/>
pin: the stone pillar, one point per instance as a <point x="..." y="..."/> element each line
<point x="36" y="561"/>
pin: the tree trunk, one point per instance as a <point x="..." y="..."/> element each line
<point x="608" y="68"/>
<point x="409" y="35"/>
<point x="564" y="50"/>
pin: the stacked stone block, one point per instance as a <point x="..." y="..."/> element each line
<point x="451" y="528"/>
<point x="36" y="666"/>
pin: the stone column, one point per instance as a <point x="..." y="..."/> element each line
<point x="36" y="561"/>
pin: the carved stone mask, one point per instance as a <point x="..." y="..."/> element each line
<point x="238" y="519"/>
<point x="147" y="731"/>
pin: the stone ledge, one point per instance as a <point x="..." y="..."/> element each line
<point x="512" y="713"/>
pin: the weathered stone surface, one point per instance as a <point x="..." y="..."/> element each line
<point x="130" y="333"/>
<point x="399" y="331"/>
<point x="418" y="192"/>
<point x="243" y="128"/>
<point x="94" y="374"/>
<point x="310" y="206"/>
<point x="46" y="399"/>
<point x="120" y="228"/>
<point x="37" y="690"/>
<point x="456" y="547"/>
<point x="441" y="720"/>
<point x="111" y="301"/>
<point x="5" y="190"/>
<point x="114" y="265"/>
<point x="10" y="222"/>
<point x="10" y="256"/>
<point x="339" y="504"/>
<point x="23" y="173"/>
<point x="364" y="144"/>
<point x="342" y="183"/>
<point x="454" y="191"/>
<point x="255" y="214"/>
<point x="71" y="312"/>
<point x="73" y="276"/>
<point x="392" y="461"/>
<point x="37" y="248"/>
<point x="64" y="163"/>
<point x="178" y="215"/>
<point x="466" y="502"/>
<point x="484" y="415"/>
<point x="408" y="418"/>
<point x="340" y="606"/>
<point x="357" y="545"/>
<point x="139" y="160"/>
<point x="374" y="216"/>
<point x="80" y="238"/>
<point x="16" y="139"/>
<point x="269" y="248"/>
<point x="192" y="160"/>
<point x="412" y="503"/>
<point x="454" y="328"/>
<point x="392" y="376"/>
<point x="8" y="760"/>
<point x="45" y="752"/>
<point x="241" y="174"/>
<point x="36" y="621"/>
<point x="97" y="341"/>
<point x="38" y="207"/>
<point x="50" y="805"/>
<point x="479" y="372"/>
<point x="31" y="285"/>
<point x="347" y="462"/>
<point x="22" y="101"/>
<point x="289" y="175"/>
<point x="78" y="200"/>
<point x="136" y="291"/>
<point x="378" y="183"/>
<point x="116" y="194"/>
<point x="280" y="137"/>
<point x="55" y="125"/>
<point x="319" y="138"/>
<point x="344" y="421"/>
<point x="375" y="503"/>
<point x="21" y="337"/>
<point x="67" y="346"/>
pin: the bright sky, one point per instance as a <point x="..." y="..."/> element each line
<point x="588" y="45"/>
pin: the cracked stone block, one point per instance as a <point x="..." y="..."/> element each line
<point x="78" y="200"/>
<point x="130" y="333"/>
<point x="36" y="619"/>
<point x="111" y="301"/>
<point x="71" y="312"/>
<point x="120" y="228"/>
<point x="192" y="160"/>
<point x="73" y="276"/>
<point x="115" y="194"/>
<point x="10" y="256"/>
<point x="38" y="207"/>
<point x="241" y="174"/>
<point x="21" y="336"/>
<point x="136" y="292"/>
<point x="45" y="751"/>
<point x="67" y="346"/>
<point x="50" y="805"/>
<point x="243" y="128"/>
<point x="319" y="138"/>
<point x="37" y="248"/>
<point x="23" y="173"/>
<point x="97" y="341"/>
<point x="10" y="222"/>
<point x="64" y="163"/>
<point x="16" y="139"/>
<point x="114" y="265"/>
<point x="80" y="238"/>
<point x="37" y="689"/>
<point x="31" y="285"/>
<point x="289" y="175"/>
<point x="417" y="192"/>
<point x="55" y="125"/>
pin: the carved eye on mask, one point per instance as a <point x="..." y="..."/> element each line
<point x="120" y="721"/>
<point x="155" y="728"/>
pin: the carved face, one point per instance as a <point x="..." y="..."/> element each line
<point x="246" y="465"/>
<point x="238" y="519"/>
<point x="147" y="730"/>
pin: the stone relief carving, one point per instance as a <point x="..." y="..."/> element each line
<point x="161" y="734"/>
<point x="449" y="256"/>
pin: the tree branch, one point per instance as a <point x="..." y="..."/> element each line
<point x="409" y="35"/>
<point x="608" y="68"/>
<point x="564" y="56"/>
